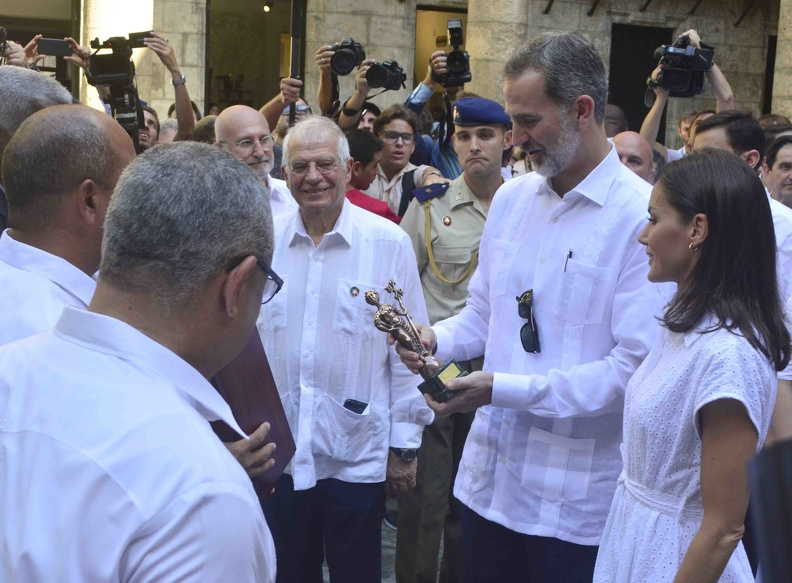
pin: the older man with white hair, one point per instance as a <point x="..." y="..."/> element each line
<point x="111" y="471"/>
<point x="244" y="132"/>
<point x="346" y="394"/>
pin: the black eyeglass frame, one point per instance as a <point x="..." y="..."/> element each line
<point x="271" y="276"/>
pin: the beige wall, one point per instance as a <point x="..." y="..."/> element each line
<point x="46" y="9"/>
<point x="782" y="82"/>
<point x="496" y="26"/>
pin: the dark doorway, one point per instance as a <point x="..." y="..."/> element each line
<point x="247" y="51"/>
<point x="767" y="98"/>
<point x="631" y="62"/>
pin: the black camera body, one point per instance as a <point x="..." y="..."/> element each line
<point x="389" y="75"/>
<point x="457" y="61"/>
<point x="117" y="71"/>
<point x="683" y="67"/>
<point x="347" y="55"/>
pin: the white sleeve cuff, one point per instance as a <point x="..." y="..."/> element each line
<point x="511" y="391"/>
<point x="406" y="435"/>
<point x="445" y="343"/>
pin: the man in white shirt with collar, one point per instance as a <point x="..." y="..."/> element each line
<point x="542" y="458"/>
<point x="111" y="471"/>
<point x="59" y="170"/>
<point x="346" y="394"/>
<point x="244" y="132"/>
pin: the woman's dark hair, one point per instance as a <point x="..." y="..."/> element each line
<point x="735" y="276"/>
<point x="195" y="109"/>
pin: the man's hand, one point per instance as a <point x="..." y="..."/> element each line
<point x="694" y="37"/>
<point x="477" y="387"/>
<point x="323" y="56"/>
<point x="15" y="54"/>
<point x="290" y="91"/>
<point x="80" y="55"/>
<point x="659" y="91"/>
<point x="401" y="475"/>
<point x="438" y="64"/>
<point x="252" y="453"/>
<point x="32" y="55"/>
<point x="165" y="51"/>
<point x="410" y="358"/>
<point x="361" y="83"/>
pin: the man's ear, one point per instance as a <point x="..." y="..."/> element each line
<point x="237" y="285"/>
<point x="91" y="200"/>
<point x="355" y="167"/>
<point x="585" y="109"/>
<point x="507" y="140"/>
<point x="751" y="157"/>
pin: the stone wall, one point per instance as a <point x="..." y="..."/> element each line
<point x="496" y="26"/>
<point x="782" y="83"/>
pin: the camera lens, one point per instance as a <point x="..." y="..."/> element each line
<point x="377" y="76"/>
<point x="343" y="61"/>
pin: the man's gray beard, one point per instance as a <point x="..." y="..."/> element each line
<point x="557" y="160"/>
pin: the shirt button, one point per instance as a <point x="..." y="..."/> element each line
<point x="555" y="220"/>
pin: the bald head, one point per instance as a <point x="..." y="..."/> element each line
<point x="245" y="134"/>
<point x="54" y="153"/>
<point x="635" y="153"/>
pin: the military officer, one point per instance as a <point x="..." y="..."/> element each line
<point x="445" y="222"/>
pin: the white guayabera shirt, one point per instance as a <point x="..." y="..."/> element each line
<point x="35" y="286"/>
<point x="544" y="457"/>
<point x="111" y="471"/>
<point x="323" y="347"/>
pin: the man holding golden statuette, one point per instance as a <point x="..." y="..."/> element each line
<point x="401" y="328"/>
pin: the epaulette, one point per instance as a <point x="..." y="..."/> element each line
<point x="432" y="191"/>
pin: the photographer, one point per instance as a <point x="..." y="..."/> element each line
<point x="17" y="55"/>
<point x="724" y="100"/>
<point x="289" y="93"/>
<point x="352" y="109"/>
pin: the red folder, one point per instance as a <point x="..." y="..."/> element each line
<point x="249" y="389"/>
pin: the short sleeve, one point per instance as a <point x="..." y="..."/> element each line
<point x="733" y="369"/>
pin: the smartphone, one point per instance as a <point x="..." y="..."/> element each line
<point x="355" y="406"/>
<point x="54" y="46"/>
<point x="136" y="39"/>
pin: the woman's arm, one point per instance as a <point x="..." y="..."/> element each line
<point x="728" y="441"/>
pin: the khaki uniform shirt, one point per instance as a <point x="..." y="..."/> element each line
<point x="457" y="220"/>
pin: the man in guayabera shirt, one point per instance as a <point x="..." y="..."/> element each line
<point x="542" y="458"/>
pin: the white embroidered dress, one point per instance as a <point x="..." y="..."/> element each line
<point x="657" y="508"/>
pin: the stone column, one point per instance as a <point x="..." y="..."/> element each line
<point x="183" y="22"/>
<point x="782" y="81"/>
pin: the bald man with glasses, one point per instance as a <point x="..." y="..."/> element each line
<point x="244" y="133"/>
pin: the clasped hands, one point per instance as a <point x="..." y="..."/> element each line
<point x="476" y="387"/>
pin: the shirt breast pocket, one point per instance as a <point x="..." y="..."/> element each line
<point x="452" y="261"/>
<point x="352" y="314"/>
<point x="586" y="293"/>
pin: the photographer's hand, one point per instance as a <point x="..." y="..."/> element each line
<point x="357" y="99"/>
<point x="437" y="64"/>
<point x="185" y="117"/>
<point x="323" y="56"/>
<point x="165" y="51"/>
<point x="32" y="55"/>
<point x="693" y="36"/>
<point x="651" y="123"/>
<point x="324" y="93"/>
<point x="289" y="91"/>
<point x="80" y="55"/>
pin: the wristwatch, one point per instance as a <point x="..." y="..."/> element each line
<point x="404" y="454"/>
<point x="180" y="81"/>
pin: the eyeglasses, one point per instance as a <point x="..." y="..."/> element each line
<point x="325" y="166"/>
<point x="392" y="137"/>
<point x="272" y="285"/>
<point x="248" y="144"/>
<point x="529" y="333"/>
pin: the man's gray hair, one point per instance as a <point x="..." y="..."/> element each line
<point x="180" y="214"/>
<point x="314" y="129"/>
<point x="570" y="65"/>
<point x="53" y="152"/>
<point x="22" y="93"/>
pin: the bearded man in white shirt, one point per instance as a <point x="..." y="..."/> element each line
<point x="245" y="134"/>
<point x="59" y="170"/>
<point x="345" y="393"/>
<point x="541" y="460"/>
<point x="111" y="471"/>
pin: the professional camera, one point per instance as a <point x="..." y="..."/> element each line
<point x="458" y="61"/>
<point x="388" y="75"/>
<point x="348" y="55"/>
<point x="683" y="68"/>
<point x="117" y="71"/>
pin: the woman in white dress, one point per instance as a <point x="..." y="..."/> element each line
<point x="700" y="404"/>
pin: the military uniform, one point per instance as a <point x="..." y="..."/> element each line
<point x="445" y="222"/>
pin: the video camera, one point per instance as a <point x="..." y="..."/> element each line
<point x="388" y="75"/>
<point x="683" y="68"/>
<point x="348" y="55"/>
<point x="117" y="71"/>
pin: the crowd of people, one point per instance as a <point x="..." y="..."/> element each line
<point x="603" y="427"/>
